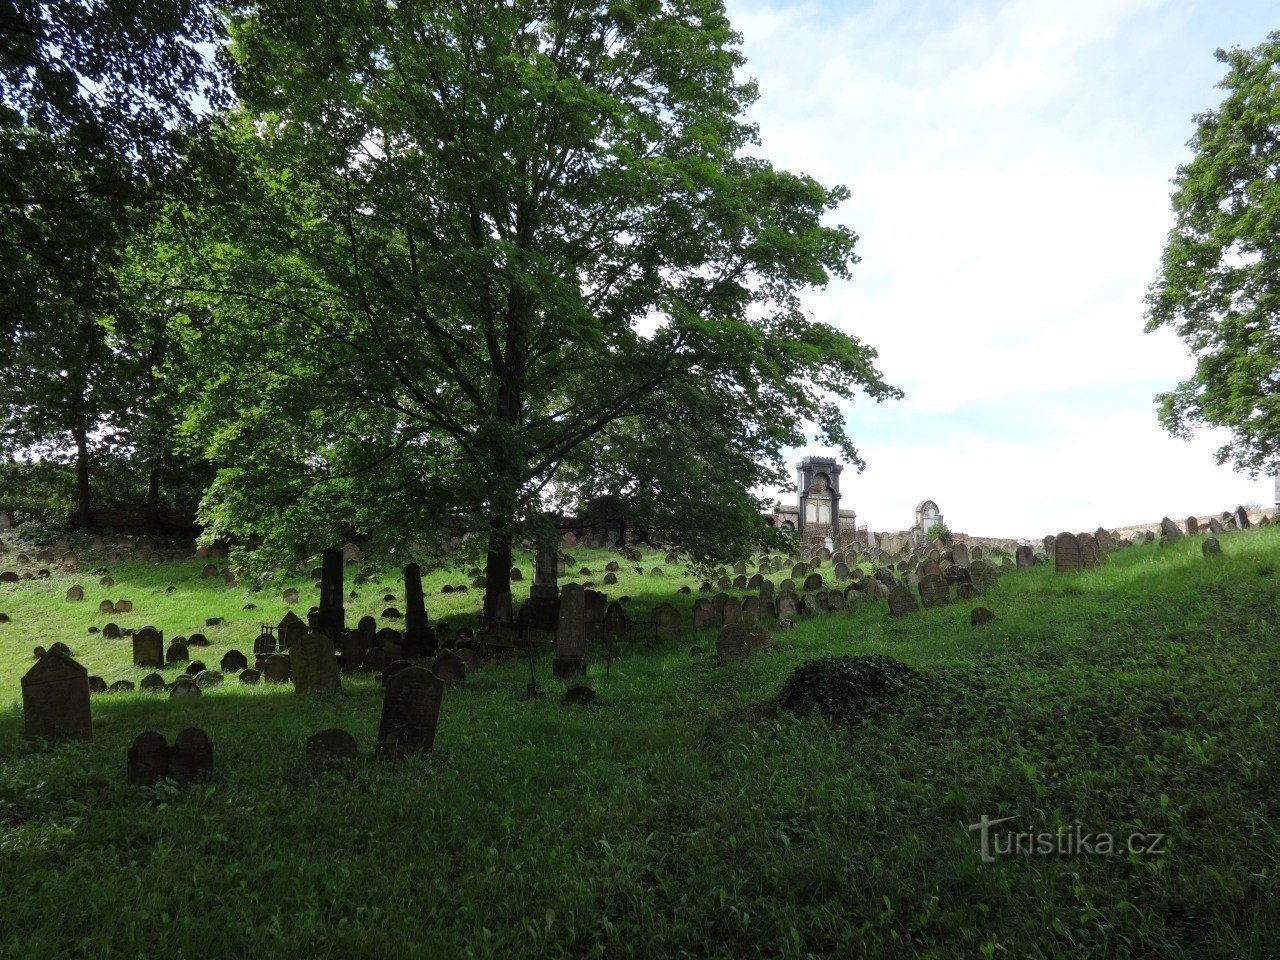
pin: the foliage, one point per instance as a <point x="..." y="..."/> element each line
<point x="1219" y="284"/>
<point x="847" y="690"/>
<point x="682" y="815"/>
<point x="938" y="531"/>
<point x="461" y="263"/>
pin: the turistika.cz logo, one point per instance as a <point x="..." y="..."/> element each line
<point x="1072" y="841"/>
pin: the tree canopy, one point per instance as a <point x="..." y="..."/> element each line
<point x="454" y="261"/>
<point x="1219" y="283"/>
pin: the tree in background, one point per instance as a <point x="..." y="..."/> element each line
<point x="1219" y="284"/>
<point x="938" y="531"/>
<point x="94" y="100"/>
<point x="462" y="259"/>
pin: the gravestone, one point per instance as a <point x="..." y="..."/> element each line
<point x="841" y="571"/>
<point x="148" y="649"/>
<point x="250" y="676"/>
<point x="1066" y="553"/>
<point x="934" y="591"/>
<point x="982" y="575"/>
<point x="450" y="668"/>
<point x="330" y="618"/>
<point x="813" y="581"/>
<point x="191" y="758"/>
<point x="75" y="594"/>
<point x="730" y="610"/>
<point x="177" y="653"/>
<point x="375" y="658"/>
<point x="834" y="600"/>
<point x="331" y="746"/>
<point x="209" y="571"/>
<point x="751" y="607"/>
<point x="902" y="601"/>
<point x="731" y="643"/>
<point x="410" y="713"/>
<point x="263" y="645"/>
<point x="152" y="683"/>
<point x="1211" y="547"/>
<point x="419" y="639"/>
<point x="1193" y="526"/>
<point x="1215" y="526"/>
<point x="289" y="630"/>
<point x="980" y="617"/>
<point x="147" y="760"/>
<point x="704" y="614"/>
<point x="207" y="679"/>
<point x="570" y="657"/>
<point x="1169" y="532"/>
<point x="314" y="663"/>
<point x="786" y="606"/>
<point x="1025" y="557"/>
<point x="1090" y="553"/>
<point x="184" y="688"/>
<point x="290" y="596"/>
<point x="233" y="661"/>
<point x="1242" y="518"/>
<point x="55" y="698"/>
<point x="666" y="620"/>
<point x="196" y="640"/>
<point x="276" y="668"/>
<point x="740" y="582"/>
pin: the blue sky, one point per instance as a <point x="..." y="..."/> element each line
<point x="1010" y="169"/>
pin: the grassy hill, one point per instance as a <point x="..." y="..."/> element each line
<point x="683" y="814"/>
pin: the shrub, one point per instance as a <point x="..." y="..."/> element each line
<point x="846" y="689"/>
<point x="939" y="531"/>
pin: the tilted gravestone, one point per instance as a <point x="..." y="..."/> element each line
<point x="751" y="608"/>
<point x="419" y="639"/>
<point x="841" y="571"/>
<point x="570" y="656"/>
<point x="1242" y="518"/>
<point x="1066" y="553"/>
<point x="314" y="664"/>
<point x="184" y="688"/>
<point x="740" y="582"/>
<point x="902" y="601"/>
<point x="410" y="714"/>
<point x="250" y="676"/>
<point x="55" y="698"/>
<point x="730" y="610"/>
<point x="934" y="591"/>
<point x="1169" y="532"/>
<point x="813" y="581"/>
<point x="290" y="629"/>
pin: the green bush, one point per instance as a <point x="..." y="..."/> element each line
<point x="939" y="531"/>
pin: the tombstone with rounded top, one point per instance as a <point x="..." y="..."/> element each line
<point x="902" y="601"/>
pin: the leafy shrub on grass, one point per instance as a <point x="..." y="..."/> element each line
<point x="847" y="689"/>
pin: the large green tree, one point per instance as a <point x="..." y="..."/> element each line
<point x="1219" y="284"/>
<point x="94" y="100"/>
<point x="460" y="260"/>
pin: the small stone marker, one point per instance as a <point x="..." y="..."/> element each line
<point x="581" y="695"/>
<point x="75" y="594"/>
<point x="121" y="686"/>
<point x="152" y="683"/>
<point x="934" y="590"/>
<point x="410" y="713"/>
<point x="1211" y="547"/>
<point x="315" y="665"/>
<point x="329" y="747"/>
<point x="290" y="596"/>
<point x="666" y="620"/>
<point x="731" y="643"/>
<point x="96" y="684"/>
<point x="177" y="653"/>
<point x="206" y="679"/>
<point x="148" y="649"/>
<point x="183" y="688"/>
<point x="249" y="676"/>
<point x="449" y="666"/>
<point x="980" y="617"/>
<point x="191" y="759"/>
<point x="233" y="661"/>
<point x="106" y="606"/>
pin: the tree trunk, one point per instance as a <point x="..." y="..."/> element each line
<point x="84" y="508"/>
<point x="152" y="508"/>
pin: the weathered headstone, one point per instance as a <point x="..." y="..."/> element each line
<point x="410" y="713"/>
<point x="982" y="575"/>
<point x="902" y="601"/>
<point x="731" y="643"/>
<point x="276" y="668"/>
<point x="330" y="618"/>
<point x="148" y="649"/>
<point x="330" y="746"/>
<point x="177" y="652"/>
<point x="1211" y="547"/>
<point x="704" y="614"/>
<point x="934" y="590"/>
<point x="449" y="666"/>
<point x="147" y="760"/>
<point x="290" y="629"/>
<point x="191" y="758"/>
<point x="570" y="656"/>
<point x="233" y="661"/>
<point x="314" y="663"/>
<point x="184" y="688"/>
<point x="666" y="620"/>
<point x="1066" y="553"/>
<point x="980" y="617"/>
<point x="75" y="594"/>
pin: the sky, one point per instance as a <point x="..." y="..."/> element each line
<point x="1010" y="166"/>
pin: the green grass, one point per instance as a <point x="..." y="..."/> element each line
<point x="683" y="815"/>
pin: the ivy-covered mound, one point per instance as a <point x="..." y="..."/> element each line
<point x="847" y="689"/>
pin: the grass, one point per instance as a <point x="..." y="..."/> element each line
<point x="683" y="815"/>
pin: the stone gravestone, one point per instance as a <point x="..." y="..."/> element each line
<point x="813" y="582"/>
<point x="75" y="594"/>
<point x="980" y="617"/>
<point x="290" y="629"/>
<point x="314" y="663"/>
<point x="183" y="688"/>
<point x="1066" y="553"/>
<point x="786" y="606"/>
<point x="55" y="698"/>
<point x="191" y="758"/>
<point x="233" y="661"/>
<point x="147" y="761"/>
<point x="1211" y="547"/>
<point x="982" y="575"/>
<point x="902" y="601"/>
<point x="1242" y="518"/>
<point x="666" y="620"/>
<point x="731" y="643"/>
<point x="570" y="657"/>
<point x="1193" y="526"/>
<point x="330" y="746"/>
<point x="730" y="610"/>
<point x="177" y="653"/>
<point x="419" y="639"/>
<point x="1090" y="553"/>
<point x="1026" y="558"/>
<point x="276" y="668"/>
<point x="1215" y="526"/>
<point x="148" y="649"/>
<point x="704" y="615"/>
<point x="449" y="667"/>
<point x="934" y="591"/>
<point x="1169" y="532"/>
<point x="330" y="618"/>
<point x="410" y="713"/>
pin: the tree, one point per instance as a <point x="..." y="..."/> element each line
<point x="93" y="100"/>
<point x="1219" y="284"/>
<point x="466" y="260"/>
<point x="938" y="531"/>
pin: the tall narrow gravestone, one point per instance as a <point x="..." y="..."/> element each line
<point x="290" y="630"/>
<point x="314" y="664"/>
<point x="1066" y="553"/>
<point x="419" y="639"/>
<point x="571" y="633"/>
<point x="330" y="619"/>
<point x="410" y="712"/>
<point x="148" y="649"/>
<point x="55" y="698"/>
<point x="542" y="610"/>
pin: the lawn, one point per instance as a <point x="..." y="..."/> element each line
<point x="683" y="814"/>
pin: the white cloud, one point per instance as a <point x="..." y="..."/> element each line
<point x="1009" y="165"/>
